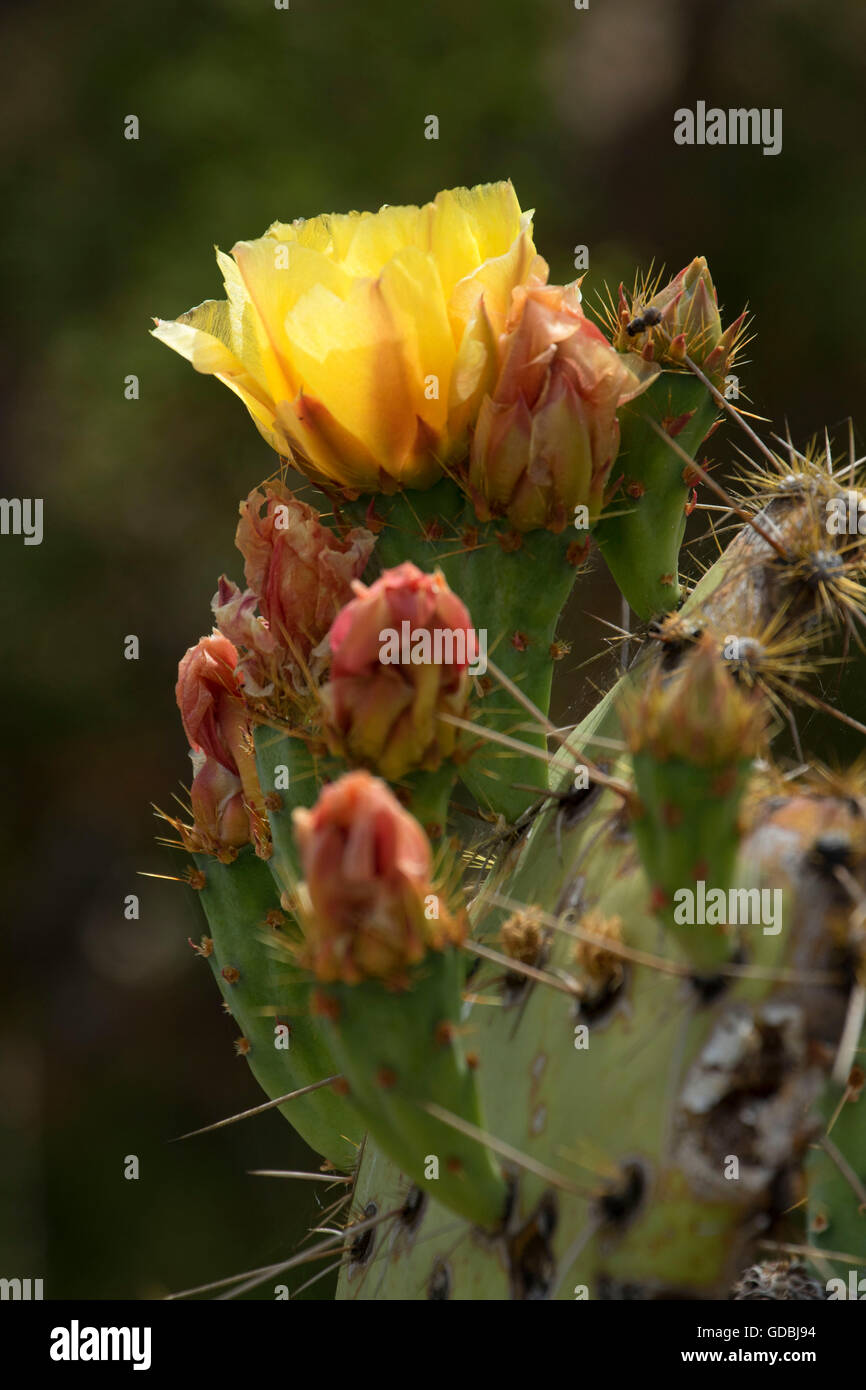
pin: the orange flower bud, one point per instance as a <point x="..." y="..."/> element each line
<point x="400" y="656"/>
<point x="367" y="866"/>
<point x="547" y="437"/>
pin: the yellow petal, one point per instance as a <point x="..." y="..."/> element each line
<point x="452" y="241"/>
<point x="374" y="239"/>
<point x="492" y="214"/>
<point x="475" y="372"/>
<point x="495" y="279"/>
<point x="244" y="328"/>
<point x="200" y="336"/>
<point x="316" y="436"/>
<point x="350" y="357"/>
<point x="413" y="295"/>
<point x="362" y="242"/>
<point x="275" y="277"/>
<point x="312" y="232"/>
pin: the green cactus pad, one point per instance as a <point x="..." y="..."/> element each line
<point x="267" y="990"/>
<point x="400" y="1051"/>
<point x="837" y="1177"/>
<point x="281" y="759"/>
<point x="687" y="831"/>
<point x="642" y="530"/>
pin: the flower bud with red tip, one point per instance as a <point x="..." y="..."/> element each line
<point x="681" y="319"/>
<point x="400" y="657"/>
<point x="367" y="867"/>
<point x="220" y="820"/>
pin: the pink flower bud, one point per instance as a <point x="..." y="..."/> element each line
<point x="367" y="866"/>
<point x="547" y="437"/>
<point x="220" y="819"/>
<point x="400" y="653"/>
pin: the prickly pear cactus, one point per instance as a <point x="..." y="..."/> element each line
<point x="578" y="1011"/>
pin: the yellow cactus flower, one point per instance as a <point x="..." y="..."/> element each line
<point x="362" y="344"/>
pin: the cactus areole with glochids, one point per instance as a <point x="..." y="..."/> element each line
<point x="566" y="1012"/>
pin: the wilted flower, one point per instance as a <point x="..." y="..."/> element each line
<point x="387" y="687"/>
<point x="210" y="700"/>
<point x="299" y="576"/>
<point x="547" y="436"/>
<point x="260" y="656"/>
<point x="362" y="344"/>
<point x="209" y="694"/>
<point x="367" y="867"/>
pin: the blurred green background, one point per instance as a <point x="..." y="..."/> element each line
<point x="113" y="1040"/>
